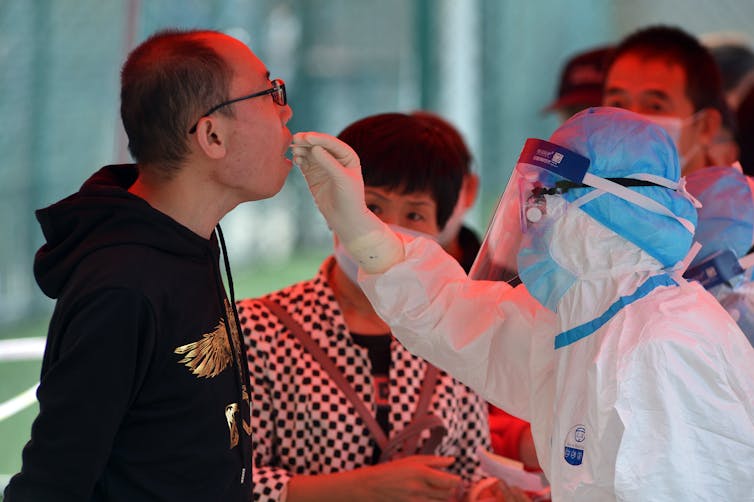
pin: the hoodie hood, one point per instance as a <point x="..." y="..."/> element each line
<point x="102" y="214"/>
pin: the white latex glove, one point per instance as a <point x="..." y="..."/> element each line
<point x="333" y="172"/>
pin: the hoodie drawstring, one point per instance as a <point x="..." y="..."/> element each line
<point x="242" y="375"/>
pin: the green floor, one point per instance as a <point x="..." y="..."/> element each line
<point x="18" y="376"/>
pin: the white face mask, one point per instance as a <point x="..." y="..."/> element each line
<point x="674" y="127"/>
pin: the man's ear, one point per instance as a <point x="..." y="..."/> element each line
<point x="469" y="190"/>
<point x="709" y="125"/>
<point x="211" y="137"/>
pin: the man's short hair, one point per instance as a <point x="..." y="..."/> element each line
<point x="703" y="82"/>
<point x="167" y="82"/>
<point x="418" y="152"/>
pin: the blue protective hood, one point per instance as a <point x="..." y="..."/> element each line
<point x="619" y="144"/>
<point x="726" y="220"/>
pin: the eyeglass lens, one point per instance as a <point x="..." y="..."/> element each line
<point x="278" y="94"/>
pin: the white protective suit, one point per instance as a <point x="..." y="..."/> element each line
<point x="726" y="225"/>
<point x="655" y="402"/>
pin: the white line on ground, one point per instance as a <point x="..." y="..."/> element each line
<point x="18" y="403"/>
<point x="20" y="349"/>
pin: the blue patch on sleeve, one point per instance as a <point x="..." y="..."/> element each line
<point x="573" y="456"/>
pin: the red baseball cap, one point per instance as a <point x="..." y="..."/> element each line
<point x="582" y="79"/>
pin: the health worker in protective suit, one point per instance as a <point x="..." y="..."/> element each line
<point x="637" y="384"/>
<point x="725" y="265"/>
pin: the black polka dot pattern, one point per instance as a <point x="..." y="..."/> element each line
<point x="301" y="421"/>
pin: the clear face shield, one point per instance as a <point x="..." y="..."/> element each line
<point x="547" y="181"/>
<point x="532" y="200"/>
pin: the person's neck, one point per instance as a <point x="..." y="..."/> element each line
<point x="187" y="200"/>
<point x="699" y="161"/>
<point x="358" y="313"/>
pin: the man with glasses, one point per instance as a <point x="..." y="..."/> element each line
<point x="277" y="91"/>
<point x="144" y="391"/>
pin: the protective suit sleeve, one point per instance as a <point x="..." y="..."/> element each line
<point x="478" y="331"/>
<point x="687" y="418"/>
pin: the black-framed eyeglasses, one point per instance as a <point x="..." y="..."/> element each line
<point x="279" y="97"/>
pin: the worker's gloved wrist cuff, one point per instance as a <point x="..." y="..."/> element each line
<point x="377" y="250"/>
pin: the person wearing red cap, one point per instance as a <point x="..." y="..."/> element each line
<point x="581" y="82"/>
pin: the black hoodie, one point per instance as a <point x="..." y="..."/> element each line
<point x="140" y="393"/>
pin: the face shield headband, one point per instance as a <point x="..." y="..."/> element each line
<point x="540" y="190"/>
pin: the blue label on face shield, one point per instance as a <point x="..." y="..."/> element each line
<point x="561" y="161"/>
